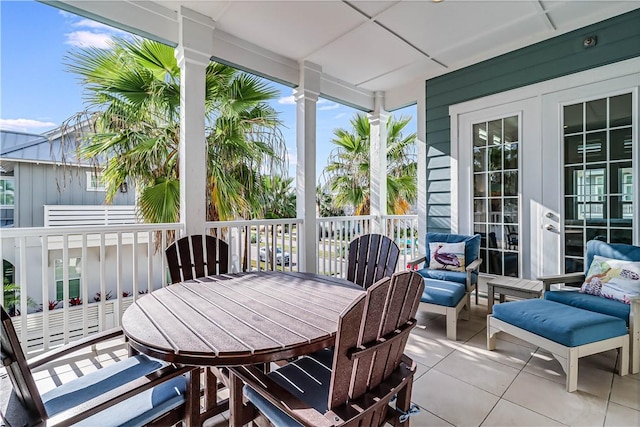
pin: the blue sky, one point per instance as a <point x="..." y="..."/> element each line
<point x="38" y="94"/>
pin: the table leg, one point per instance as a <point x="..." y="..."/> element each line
<point x="192" y="399"/>
<point x="235" y="400"/>
<point x="490" y="297"/>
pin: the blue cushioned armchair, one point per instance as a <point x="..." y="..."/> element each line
<point x="448" y="292"/>
<point x="630" y="313"/>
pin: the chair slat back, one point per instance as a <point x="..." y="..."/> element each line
<point x="197" y="256"/>
<point x="18" y="370"/>
<point x="371" y="257"/>
<point x="372" y="335"/>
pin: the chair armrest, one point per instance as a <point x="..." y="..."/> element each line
<point x="568" y="279"/>
<point x="280" y="397"/>
<point x="50" y="356"/>
<point x="474" y="265"/>
<point x="411" y="264"/>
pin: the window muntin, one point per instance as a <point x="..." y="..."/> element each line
<point x="74" y="278"/>
<point x="496" y="189"/>
<point x="598" y="175"/>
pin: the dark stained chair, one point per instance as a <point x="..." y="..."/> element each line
<point x="197" y="256"/>
<point x="189" y="258"/>
<point x="354" y="383"/>
<point x="371" y="257"/>
<point x="134" y="391"/>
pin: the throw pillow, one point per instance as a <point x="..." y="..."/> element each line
<point x="613" y="279"/>
<point x="446" y="256"/>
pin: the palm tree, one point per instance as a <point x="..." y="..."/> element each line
<point x="132" y="92"/>
<point x="279" y="198"/>
<point x="347" y="172"/>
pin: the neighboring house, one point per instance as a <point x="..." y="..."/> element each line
<point x="32" y="175"/>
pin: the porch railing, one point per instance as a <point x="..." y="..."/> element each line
<point x="74" y="281"/>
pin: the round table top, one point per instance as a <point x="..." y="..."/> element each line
<point x="239" y="319"/>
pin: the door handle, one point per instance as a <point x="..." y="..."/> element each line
<point x="549" y="227"/>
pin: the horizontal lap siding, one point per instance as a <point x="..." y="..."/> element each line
<point x="618" y="39"/>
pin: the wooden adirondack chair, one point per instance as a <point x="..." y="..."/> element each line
<point x="188" y="258"/>
<point x="371" y="257"/>
<point x="138" y="389"/>
<point x="352" y="384"/>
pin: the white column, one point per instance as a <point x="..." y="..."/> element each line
<point x="378" y="166"/>
<point x="306" y="96"/>
<point x="193" y="54"/>
<point x="421" y="140"/>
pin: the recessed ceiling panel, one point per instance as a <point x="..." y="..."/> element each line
<point x="422" y="69"/>
<point x="290" y="28"/>
<point x="363" y="54"/>
<point x="373" y="7"/>
<point x="568" y="16"/>
<point x="433" y="26"/>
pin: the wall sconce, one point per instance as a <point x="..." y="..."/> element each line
<point x="124" y="187"/>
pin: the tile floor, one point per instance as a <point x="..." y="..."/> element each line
<point x="463" y="384"/>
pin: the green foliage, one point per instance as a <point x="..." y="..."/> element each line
<point x="132" y="91"/>
<point x="348" y="170"/>
<point x="11" y="293"/>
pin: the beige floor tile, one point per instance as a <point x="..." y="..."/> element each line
<point x="506" y="352"/>
<point x="626" y="392"/>
<point x="551" y="399"/>
<point x="507" y="413"/>
<point x="426" y="418"/>
<point x="426" y="350"/>
<point x="595" y="373"/>
<point x="486" y="374"/>
<point x="218" y="421"/>
<point x="421" y="369"/>
<point x="454" y="401"/>
<point x="621" y="416"/>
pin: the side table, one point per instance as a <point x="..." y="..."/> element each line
<point x="512" y="286"/>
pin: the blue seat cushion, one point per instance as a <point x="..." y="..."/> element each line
<point x="451" y="276"/>
<point x="592" y="303"/>
<point x="140" y="409"/>
<point x="443" y="292"/>
<point x="564" y="324"/>
<point x="307" y="378"/>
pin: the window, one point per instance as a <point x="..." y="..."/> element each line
<point x="74" y="278"/>
<point x="496" y="191"/>
<point x="598" y="175"/>
<point x="95" y="181"/>
<point x="7" y="201"/>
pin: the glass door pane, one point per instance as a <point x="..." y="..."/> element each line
<point x="598" y="175"/>
<point x="496" y="190"/>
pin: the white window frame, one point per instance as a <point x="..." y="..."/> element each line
<point x="98" y="184"/>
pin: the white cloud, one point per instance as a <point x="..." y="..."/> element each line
<point x="25" y="125"/>
<point x="340" y="115"/>
<point x="331" y="106"/>
<point x="287" y="100"/>
<point x="66" y="14"/>
<point x="88" y="39"/>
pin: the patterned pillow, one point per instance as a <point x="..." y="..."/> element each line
<point x="612" y="279"/>
<point x="446" y="256"/>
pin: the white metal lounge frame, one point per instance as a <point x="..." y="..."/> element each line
<point x="567" y="356"/>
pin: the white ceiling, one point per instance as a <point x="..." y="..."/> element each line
<point x="360" y="47"/>
<point x="380" y="45"/>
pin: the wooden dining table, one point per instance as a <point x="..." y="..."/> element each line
<point x="238" y="319"/>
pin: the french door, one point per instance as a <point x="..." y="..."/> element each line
<point x="591" y="189"/>
<point x="539" y="171"/>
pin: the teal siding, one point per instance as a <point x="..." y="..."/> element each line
<point x="618" y="39"/>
